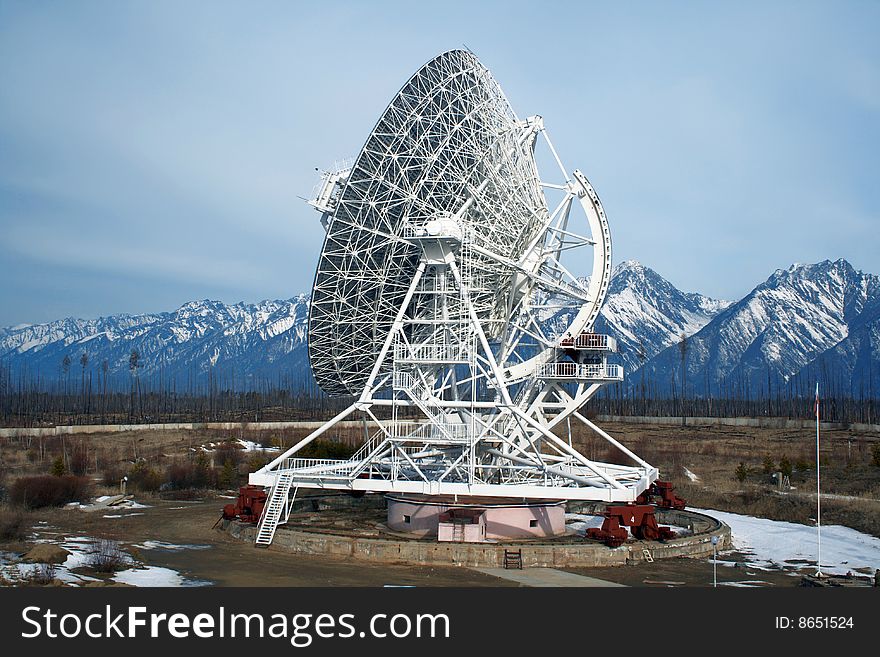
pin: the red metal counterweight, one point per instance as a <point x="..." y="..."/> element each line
<point x="661" y="493"/>
<point x="249" y="505"/>
<point x="639" y="517"/>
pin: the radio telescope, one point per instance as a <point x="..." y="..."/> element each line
<point x="442" y="305"/>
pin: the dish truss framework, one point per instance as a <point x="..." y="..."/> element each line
<point x="442" y="304"/>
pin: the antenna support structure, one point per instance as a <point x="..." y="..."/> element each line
<point x="445" y="306"/>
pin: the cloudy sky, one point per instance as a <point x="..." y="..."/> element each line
<point x="153" y="153"/>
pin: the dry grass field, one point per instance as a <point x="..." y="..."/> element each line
<point x="850" y="473"/>
<point x="172" y="463"/>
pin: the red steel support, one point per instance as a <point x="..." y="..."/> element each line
<point x="249" y="505"/>
<point x="639" y="517"/>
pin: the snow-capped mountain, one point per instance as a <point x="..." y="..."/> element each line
<point x="643" y="311"/>
<point x="647" y="313"/>
<point x="803" y="322"/>
<point x="244" y="342"/>
<point x="799" y="317"/>
<point x="853" y="364"/>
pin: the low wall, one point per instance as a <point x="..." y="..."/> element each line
<point x="64" y="430"/>
<point x="586" y="554"/>
<point x="757" y="422"/>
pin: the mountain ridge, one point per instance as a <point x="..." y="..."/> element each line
<point x="801" y="322"/>
<point x="796" y="316"/>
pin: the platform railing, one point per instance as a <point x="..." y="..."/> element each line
<point x="600" y="371"/>
<point x="590" y="342"/>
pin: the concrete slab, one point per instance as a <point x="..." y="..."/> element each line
<point x="545" y="577"/>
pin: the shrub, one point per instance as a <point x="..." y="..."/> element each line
<point x="785" y="466"/>
<point x="228" y="452"/>
<point x="195" y="474"/>
<point x="42" y="574"/>
<point x="741" y="472"/>
<point x="768" y="466"/>
<point x="57" y="469"/>
<point x="228" y="477"/>
<point x="326" y="449"/>
<point x="112" y="476"/>
<point x="12" y="526"/>
<point x="106" y="557"/>
<point x="182" y="475"/>
<point x="257" y="460"/>
<point x="143" y="478"/>
<point x="79" y="459"/>
<point x="47" y="490"/>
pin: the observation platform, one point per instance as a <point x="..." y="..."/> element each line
<point x="580" y="371"/>
<point x="589" y="342"/>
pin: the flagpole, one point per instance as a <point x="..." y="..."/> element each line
<point x="818" y="493"/>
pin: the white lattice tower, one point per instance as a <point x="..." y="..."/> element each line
<point x="441" y="296"/>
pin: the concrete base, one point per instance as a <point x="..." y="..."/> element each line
<point x="548" y="552"/>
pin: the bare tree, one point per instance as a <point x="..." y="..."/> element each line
<point x="682" y="349"/>
<point x="83" y="361"/>
<point x="133" y="364"/>
<point x="642" y="356"/>
<point x="65" y="368"/>
<point x="105" y="366"/>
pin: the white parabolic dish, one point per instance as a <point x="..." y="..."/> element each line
<point x="447" y="137"/>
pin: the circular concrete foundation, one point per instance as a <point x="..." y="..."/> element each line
<point x="340" y="525"/>
<point x="473" y="519"/>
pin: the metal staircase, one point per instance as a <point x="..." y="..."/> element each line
<point x="368" y="447"/>
<point x="426" y="402"/>
<point x="275" y="508"/>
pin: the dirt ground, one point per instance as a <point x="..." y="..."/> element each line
<point x="229" y="561"/>
<point x="692" y="572"/>
<point x="232" y="562"/>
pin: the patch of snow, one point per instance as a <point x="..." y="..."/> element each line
<point x="19" y="572"/>
<point x="250" y="446"/>
<point x="153" y="576"/>
<point x="747" y="583"/>
<point x="679" y="530"/>
<point x="168" y="547"/>
<point x="580" y="523"/>
<point x="690" y="475"/>
<point x="81" y="549"/>
<point x="776" y="543"/>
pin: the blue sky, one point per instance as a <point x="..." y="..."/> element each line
<point x="153" y="152"/>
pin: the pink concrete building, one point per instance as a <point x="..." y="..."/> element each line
<point x="477" y="519"/>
